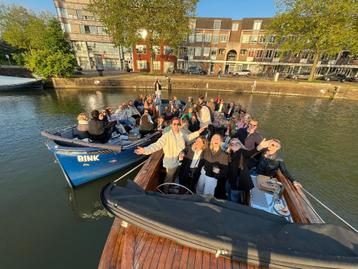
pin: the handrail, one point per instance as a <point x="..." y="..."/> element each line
<point x="81" y="143"/>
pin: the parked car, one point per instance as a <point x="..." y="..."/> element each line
<point x="243" y="72"/>
<point x="335" y="77"/>
<point x="352" y="79"/>
<point x="304" y="75"/>
<point x="196" y="70"/>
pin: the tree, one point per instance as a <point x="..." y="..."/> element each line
<point x="44" y="48"/>
<point x="159" y="22"/>
<point x="321" y="26"/>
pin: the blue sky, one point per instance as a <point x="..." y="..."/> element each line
<point x="235" y="9"/>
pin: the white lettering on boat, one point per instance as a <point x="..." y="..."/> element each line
<point x="87" y="158"/>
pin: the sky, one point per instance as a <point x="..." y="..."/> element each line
<point x="235" y="9"/>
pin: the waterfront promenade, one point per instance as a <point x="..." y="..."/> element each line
<point x="252" y="85"/>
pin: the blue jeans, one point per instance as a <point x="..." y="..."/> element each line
<point x="235" y="196"/>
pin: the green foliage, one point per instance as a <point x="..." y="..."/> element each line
<point x="166" y="21"/>
<point x="46" y="52"/>
<point x="47" y="63"/>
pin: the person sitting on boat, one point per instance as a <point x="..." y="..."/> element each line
<point x="230" y="109"/>
<point x="168" y="114"/>
<point x="221" y="106"/>
<point x="172" y="143"/>
<point x="244" y="121"/>
<point x="188" y="112"/>
<point x="124" y="115"/>
<point x="204" y="114"/>
<point x="194" y="123"/>
<point x="160" y="123"/>
<point x="192" y="162"/>
<point x="176" y="101"/>
<point x="269" y="163"/>
<point x="214" y="173"/>
<point x="81" y="130"/>
<point x="184" y="126"/>
<point x="139" y="103"/>
<point x="96" y="128"/>
<point x="239" y="178"/>
<point x="133" y="111"/>
<point x="146" y="124"/>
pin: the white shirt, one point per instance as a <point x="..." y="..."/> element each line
<point x="196" y="159"/>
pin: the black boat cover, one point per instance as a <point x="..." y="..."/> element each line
<point x="229" y="229"/>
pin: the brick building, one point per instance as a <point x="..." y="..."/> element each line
<point x="214" y="44"/>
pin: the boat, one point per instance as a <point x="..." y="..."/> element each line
<point x="8" y="83"/>
<point x="83" y="161"/>
<point x="154" y="230"/>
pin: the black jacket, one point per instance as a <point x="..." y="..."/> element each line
<point x="239" y="173"/>
<point x="185" y="172"/>
<point x="269" y="166"/>
<point x="220" y="160"/>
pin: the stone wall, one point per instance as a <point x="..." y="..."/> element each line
<point x="293" y="88"/>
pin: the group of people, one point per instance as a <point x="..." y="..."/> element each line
<point x="211" y="147"/>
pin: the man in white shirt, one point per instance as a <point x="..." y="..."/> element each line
<point x="172" y="143"/>
<point x="204" y="115"/>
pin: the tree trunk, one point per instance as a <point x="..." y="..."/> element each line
<point x="314" y="65"/>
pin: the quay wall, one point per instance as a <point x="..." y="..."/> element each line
<point x="348" y="91"/>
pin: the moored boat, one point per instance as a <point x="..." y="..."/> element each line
<point x="8" y="83"/>
<point x="188" y="231"/>
<point x="84" y="161"/>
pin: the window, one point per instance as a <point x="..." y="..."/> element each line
<point x="101" y="30"/>
<point x="141" y="49"/>
<point x="207" y="37"/>
<point x="235" y="27"/>
<point x="79" y="14"/>
<point x="217" y="24"/>
<point x="223" y="38"/>
<point x="215" y="39"/>
<point x="277" y="54"/>
<point x="199" y="37"/>
<point x="62" y="12"/>
<point x="254" y="39"/>
<point x="272" y="39"/>
<point x="191" y="38"/>
<point x="88" y="29"/>
<point x="190" y="51"/>
<point x="262" y="39"/>
<point x="213" y="53"/>
<point x="156" y="65"/>
<point x="168" y="50"/>
<point x="257" y="25"/>
<point x="221" y="51"/>
<point x="198" y="51"/>
<point x="66" y="27"/>
<point x="268" y="54"/>
<point x="141" y="64"/>
<point x="259" y="53"/>
<point x="156" y="50"/>
<point x="245" y="39"/>
<point x="243" y="51"/>
<point x="251" y="53"/>
<point x="206" y="52"/>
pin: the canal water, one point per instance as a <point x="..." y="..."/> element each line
<point x="45" y="224"/>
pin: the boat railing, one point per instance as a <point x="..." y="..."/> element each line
<point x="300" y="207"/>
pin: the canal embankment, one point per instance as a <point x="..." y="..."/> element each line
<point x="336" y="90"/>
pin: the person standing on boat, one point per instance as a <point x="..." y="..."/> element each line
<point x="269" y="163"/>
<point x="204" y="113"/>
<point x="192" y="162"/>
<point x="213" y="178"/>
<point x="172" y="143"/>
<point x="240" y="182"/>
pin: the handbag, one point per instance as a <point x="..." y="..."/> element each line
<point x="265" y="183"/>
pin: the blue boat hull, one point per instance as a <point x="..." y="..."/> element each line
<point x="81" y="165"/>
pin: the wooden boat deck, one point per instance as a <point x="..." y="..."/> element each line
<point x="131" y="247"/>
<point x="134" y="248"/>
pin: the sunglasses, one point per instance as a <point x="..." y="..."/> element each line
<point x="176" y="124"/>
<point x="253" y="125"/>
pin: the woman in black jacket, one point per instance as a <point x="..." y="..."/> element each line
<point x="240" y="182"/>
<point x="192" y="162"/>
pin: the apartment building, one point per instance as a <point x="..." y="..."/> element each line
<point x="214" y="44"/>
<point x="94" y="48"/>
<point x="234" y="45"/>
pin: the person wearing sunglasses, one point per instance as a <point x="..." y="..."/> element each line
<point x="239" y="179"/>
<point x="172" y="143"/>
<point x="269" y="163"/>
